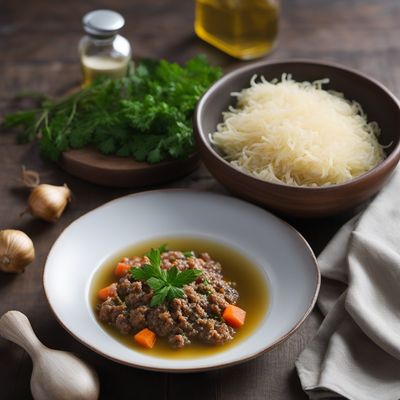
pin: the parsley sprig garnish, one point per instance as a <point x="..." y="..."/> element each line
<point x="166" y="284"/>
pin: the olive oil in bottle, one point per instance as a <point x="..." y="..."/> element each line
<point x="96" y="66"/>
<point x="245" y="29"/>
<point x="103" y="51"/>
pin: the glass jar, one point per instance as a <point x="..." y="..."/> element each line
<point x="244" y="29"/>
<point x="103" y="52"/>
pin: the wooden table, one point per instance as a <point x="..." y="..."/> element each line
<point x="38" y="51"/>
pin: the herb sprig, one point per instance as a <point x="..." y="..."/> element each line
<point x="188" y="254"/>
<point x="166" y="284"/>
<point x="146" y="115"/>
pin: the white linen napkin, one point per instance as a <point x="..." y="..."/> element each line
<point x="356" y="352"/>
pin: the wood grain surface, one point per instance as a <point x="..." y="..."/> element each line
<point x="38" y="51"/>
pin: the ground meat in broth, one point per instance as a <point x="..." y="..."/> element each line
<point x="197" y="315"/>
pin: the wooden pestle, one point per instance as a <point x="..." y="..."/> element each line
<point x="56" y="375"/>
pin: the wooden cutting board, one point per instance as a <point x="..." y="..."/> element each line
<point x="92" y="166"/>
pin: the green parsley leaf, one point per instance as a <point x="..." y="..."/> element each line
<point x="165" y="284"/>
<point x="175" y="292"/>
<point x="172" y="274"/>
<point x="155" y="283"/>
<point x="163" y="248"/>
<point x="185" y="277"/>
<point x="138" y="273"/>
<point x="159" y="296"/>
<point x="143" y="273"/>
<point x="155" y="259"/>
<point x="188" y="254"/>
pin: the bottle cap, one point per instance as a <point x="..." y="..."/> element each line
<point x="103" y="22"/>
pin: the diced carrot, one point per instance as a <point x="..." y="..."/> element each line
<point x="234" y="316"/>
<point x="121" y="269"/>
<point x="125" y="260"/>
<point x="145" y="338"/>
<point x="106" y="292"/>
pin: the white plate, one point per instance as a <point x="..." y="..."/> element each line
<point x="286" y="261"/>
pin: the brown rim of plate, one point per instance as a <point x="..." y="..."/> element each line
<point x="247" y="68"/>
<point x="187" y="370"/>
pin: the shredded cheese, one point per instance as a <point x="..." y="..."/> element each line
<point x="297" y="133"/>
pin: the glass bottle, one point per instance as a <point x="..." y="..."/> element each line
<point x="103" y="52"/>
<point x="244" y="29"/>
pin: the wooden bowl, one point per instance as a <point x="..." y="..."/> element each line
<point x="379" y="104"/>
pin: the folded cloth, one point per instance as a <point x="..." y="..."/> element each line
<point x="356" y="352"/>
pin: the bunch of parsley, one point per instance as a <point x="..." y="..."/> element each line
<point x="146" y="115"/>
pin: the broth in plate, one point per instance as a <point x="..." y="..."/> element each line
<point x="253" y="292"/>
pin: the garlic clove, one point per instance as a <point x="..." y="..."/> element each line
<point x="16" y="250"/>
<point x="48" y="202"/>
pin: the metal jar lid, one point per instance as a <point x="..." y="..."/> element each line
<point x="103" y="22"/>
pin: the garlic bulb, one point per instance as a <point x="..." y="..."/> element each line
<point x="16" y="250"/>
<point x="48" y="202"/>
